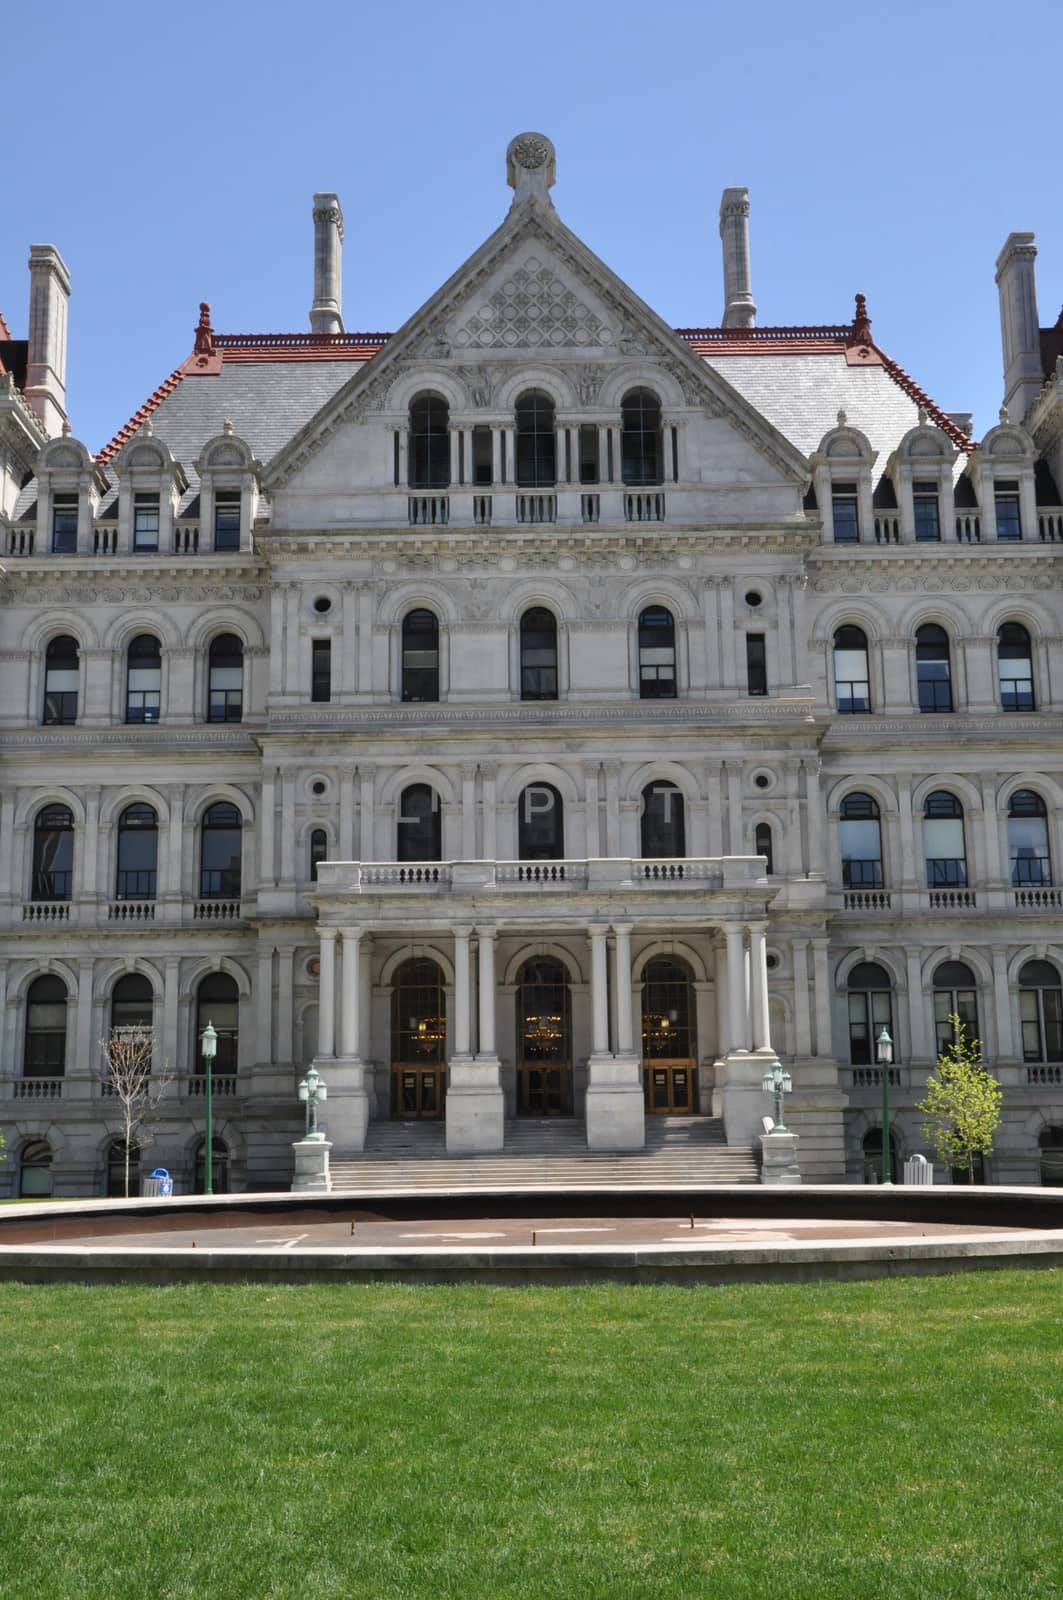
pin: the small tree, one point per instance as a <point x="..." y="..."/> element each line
<point x="127" y="1076"/>
<point x="962" y="1105"/>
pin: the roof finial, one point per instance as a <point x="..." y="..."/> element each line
<point x="204" y="344"/>
<point x="227" y="425"/>
<point x="66" y="427"/>
<point x="843" y="420"/>
<point x="531" y="168"/>
<point x="1004" y="418"/>
<point x="148" y="429"/>
<point x="922" y="417"/>
<point x="861" y="333"/>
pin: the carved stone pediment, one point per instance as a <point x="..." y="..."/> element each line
<point x="534" y="305"/>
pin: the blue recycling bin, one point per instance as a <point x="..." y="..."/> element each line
<point x="158" y="1185"/>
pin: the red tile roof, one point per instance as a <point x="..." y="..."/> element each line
<point x="5" y="331"/>
<point x="138" y="418"/>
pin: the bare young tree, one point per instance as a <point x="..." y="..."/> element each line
<point x="128" y="1077"/>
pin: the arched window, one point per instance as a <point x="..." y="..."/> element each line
<point x="217" y="1002"/>
<point x="872" y="1149"/>
<point x="955" y="995"/>
<point x="132" y="1004"/>
<point x="943" y="841"/>
<point x="45" y="1052"/>
<point x="61" y="682"/>
<point x="1041" y="1012"/>
<point x="1015" y="668"/>
<point x="540" y="824"/>
<point x="219" y="1167"/>
<point x="669" y="1042"/>
<point x="1031" y="861"/>
<point x="420" y="656"/>
<point x="933" y="670"/>
<point x="860" y="837"/>
<point x="318" y="851"/>
<point x="852" y="685"/>
<point x="429" y="459"/>
<point x="418" y="1039"/>
<point x="538" y="654"/>
<point x="763" y="844"/>
<point x="1050" y="1144"/>
<point x="870" y="1010"/>
<point x="220" y="849"/>
<point x="544" y="1039"/>
<point x="116" y="1169"/>
<point x="536" y="441"/>
<point x="138" y="850"/>
<point x="663" y="821"/>
<point x="143" y="679"/>
<point x="420" y="832"/>
<point x="35" y="1170"/>
<point x="656" y="654"/>
<point x="225" y="670"/>
<point x="641" y="453"/>
<point x="53" y="853"/>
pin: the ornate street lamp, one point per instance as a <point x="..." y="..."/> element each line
<point x="884" y="1052"/>
<point x="208" y="1049"/>
<point x="311" y="1090"/>
<point x="777" y="1081"/>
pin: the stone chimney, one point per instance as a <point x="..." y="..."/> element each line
<point x="1020" y="333"/>
<point x="326" y="313"/>
<point x="45" y="389"/>
<point x="739" y="307"/>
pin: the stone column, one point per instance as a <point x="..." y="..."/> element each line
<point x="1002" y="1006"/>
<point x="821" y="974"/>
<point x="917" y="1030"/>
<point x="737" y="1094"/>
<point x="736" y="989"/>
<point x="268" y="861"/>
<point x="599" y="992"/>
<point x="624" y="1026"/>
<point x="462" y="986"/>
<point x="802" y="1018"/>
<point x="348" y="1103"/>
<point x="616" y="1117"/>
<point x="265" y="1007"/>
<point x="758" y="964"/>
<point x="326" y="1022"/>
<point x="349" y="992"/>
<point x="475" y="1108"/>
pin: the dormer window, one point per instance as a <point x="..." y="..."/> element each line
<point x="227" y="519"/>
<point x="145" y="522"/>
<point x="927" y="512"/>
<point x="1009" y="516"/>
<point x="64" y="524"/>
<point x="845" y="508"/>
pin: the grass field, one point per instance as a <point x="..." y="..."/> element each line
<point x="897" y="1439"/>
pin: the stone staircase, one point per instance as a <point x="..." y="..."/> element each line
<point x="683" y="1151"/>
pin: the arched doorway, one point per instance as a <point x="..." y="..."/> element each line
<point x="418" y="1040"/>
<point x="544" y="1039"/>
<point x="669" y="1035"/>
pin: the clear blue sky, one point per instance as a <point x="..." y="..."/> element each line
<point x="171" y="154"/>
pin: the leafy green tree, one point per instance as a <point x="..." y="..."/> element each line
<point x="962" y="1105"/>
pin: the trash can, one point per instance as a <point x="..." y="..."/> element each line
<point x="158" y="1185"/>
<point x="918" y="1170"/>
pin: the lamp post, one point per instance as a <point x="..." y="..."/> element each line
<point x="311" y="1090"/>
<point x="777" y="1081"/>
<point x="208" y="1049"/>
<point x="884" y="1051"/>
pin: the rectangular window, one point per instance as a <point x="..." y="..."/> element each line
<point x="588" y="453"/>
<point x="145" y="522"/>
<point x="65" y="524"/>
<point x="227" y="519"/>
<point x="482" y="466"/>
<point x="846" y="513"/>
<point x="927" y="513"/>
<point x="1006" y="495"/>
<point x="321" y="670"/>
<point x="756" y="663"/>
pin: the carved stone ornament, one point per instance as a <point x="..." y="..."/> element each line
<point x="534" y="309"/>
<point x="480" y="382"/>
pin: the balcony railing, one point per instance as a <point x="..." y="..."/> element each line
<point x="1049" y="1073"/>
<point x="871" y="1077"/>
<point x="46" y="911"/>
<point x="36" y="1089"/>
<point x="216" y="911"/>
<point x="953" y="900"/>
<point x="867" y="900"/>
<point x="429" y="510"/>
<point x="626" y="873"/>
<point x="222" y="1086"/>
<point x="131" y="911"/>
<point x="1037" y="898"/>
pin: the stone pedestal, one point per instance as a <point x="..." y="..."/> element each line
<point x="615" y="1104"/>
<point x="346" y="1111"/>
<point x="738" y="1094"/>
<point x="475" y="1108"/>
<point x="779" y="1151"/>
<point x="312" y="1164"/>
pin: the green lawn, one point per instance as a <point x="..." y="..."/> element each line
<point x="897" y="1439"/>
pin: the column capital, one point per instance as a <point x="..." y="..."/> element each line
<point x="759" y="926"/>
<point x="623" y="928"/>
<point x="489" y="931"/>
<point x="326" y="935"/>
<point x="462" y="930"/>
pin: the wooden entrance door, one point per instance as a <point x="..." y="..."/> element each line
<point x="418" y="1041"/>
<point x="417" y="1091"/>
<point x="669" y="1086"/>
<point x="544" y="1040"/>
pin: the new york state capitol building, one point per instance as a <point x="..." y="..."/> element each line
<point x="536" y="712"/>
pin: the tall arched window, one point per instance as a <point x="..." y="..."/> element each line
<point x="656" y="654"/>
<point x="540" y="824"/>
<point x="1015" y="668"/>
<point x="132" y="1004"/>
<point x="669" y="1035"/>
<point x="225" y="670"/>
<point x="763" y="844"/>
<point x="138" y="852"/>
<point x="61" y="675"/>
<point x="318" y="851"/>
<point x="35" y="1170"/>
<point x="538" y="654"/>
<point x="220" y="849"/>
<point x="218" y="1002"/>
<point x="1041" y="1012"/>
<point x="420" y="656"/>
<point x="219" y="1167"/>
<point x="1050" y="1144"/>
<point x="536" y="441"/>
<point x="870" y="1010"/>
<point x="663" y="821"/>
<point x="955" y="995"/>
<point x="53" y="854"/>
<point x="143" y="679"/>
<point x="45" y="1052"/>
<point x="933" y="668"/>
<point x="418" y="1039"/>
<point x="420" y="831"/>
<point x="860" y="837"/>
<point x="641" y="452"/>
<point x="429" y="458"/>
<point x="544" y="1039"/>
<point x="852" y="685"/>
<point x="1031" y="861"/>
<point x="943" y="841"/>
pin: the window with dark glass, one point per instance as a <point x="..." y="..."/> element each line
<point x="641" y="454"/>
<point x="45" y="1052"/>
<point x="145" y="522"/>
<point x="220" y="849"/>
<point x="1041" y="1012"/>
<point x="845" y="509"/>
<point x="226" y="519"/>
<point x="538" y="654"/>
<point x="420" y="832"/>
<point x="872" y="1148"/>
<point x="138" y="851"/>
<point x="1030" y="858"/>
<point x="1015" y="668"/>
<point x="933" y="669"/>
<point x="669" y="1030"/>
<point x="955" y="995"/>
<point x="540" y="824"/>
<point x="756" y="663"/>
<point x="35" y="1170"/>
<point x="418" y="1015"/>
<point x="927" y="513"/>
<point x="663" y="821"/>
<point x="656" y="654"/>
<point x="225" y="675"/>
<point x="870" y="1010"/>
<point x="860" y="839"/>
<point x="763" y="846"/>
<point x="943" y="842"/>
<point x="53" y="854"/>
<point x="482" y="458"/>
<point x="64" y="524"/>
<point x="589" y="457"/>
<point x="219" y="1167"/>
<point x="429" y="446"/>
<point x="132" y="1004"/>
<point x="1006" y="499"/>
<point x="321" y="670"/>
<point x="61" y="673"/>
<point x="218" y="1002"/>
<point x="116" y="1169"/>
<point x="420" y="656"/>
<point x="536" y="441"/>
<point x="318" y="851"/>
<point x="852" y="687"/>
<point x="143" y="679"/>
<point x="1050" y="1144"/>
